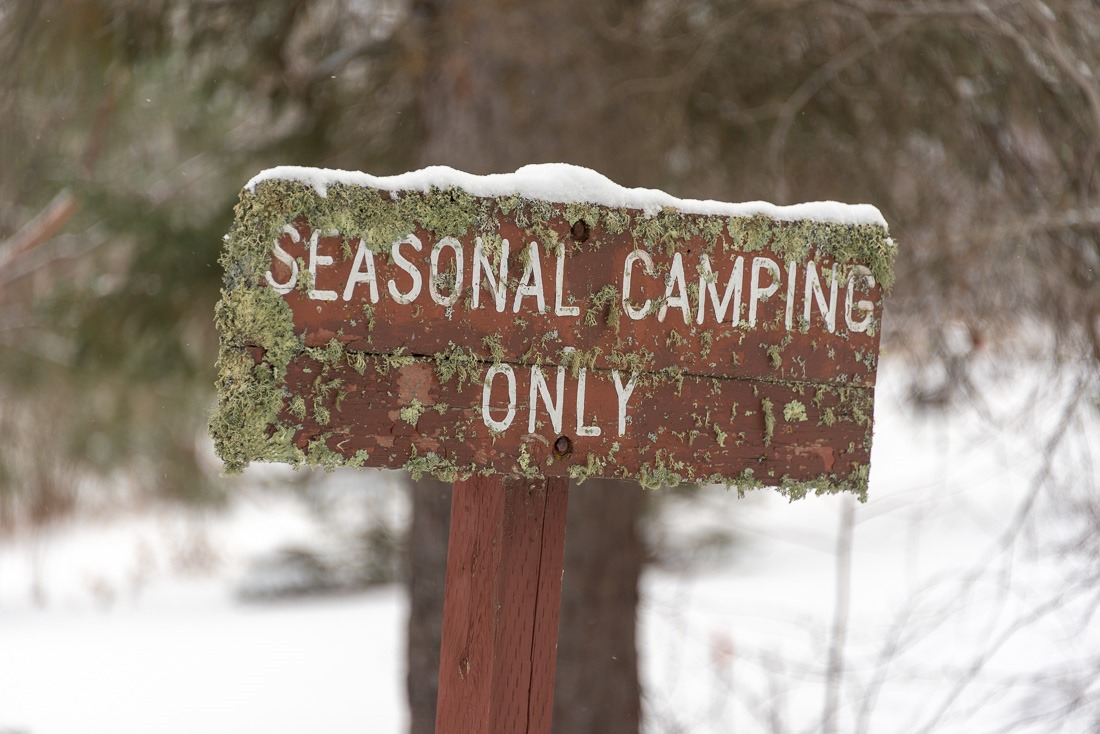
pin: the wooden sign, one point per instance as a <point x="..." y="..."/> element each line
<point x="464" y="325"/>
<point x="511" y="332"/>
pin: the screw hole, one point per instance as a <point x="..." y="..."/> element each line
<point x="579" y="230"/>
<point x="563" y="447"/>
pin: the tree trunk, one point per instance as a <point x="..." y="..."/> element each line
<point x="597" y="687"/>
<point x="501" y="84"/>
<point x="426" y="554"/>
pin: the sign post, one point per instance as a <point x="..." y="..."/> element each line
<point x="503" y="596"/>
<point x="508" y="333"/>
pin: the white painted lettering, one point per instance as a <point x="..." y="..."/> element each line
<point x="647" y="262"/>
<point x="624" y="392"/>
<point x="815" y="293"/>
<point x="433" y="280"/>
<point x="553" y="405"/>
<point x="582" y="429"/>
<point x="559" y="289"/>
<point x="408" y="267"/>
<point x="531" y="282"/>
<point x="497" y="285"/>
<point x="867" y="307"/>
<point x="792" y="277"/>
<point x="284" y="257"/>
<point x="486" y="393"/>
<point x="314" y="261"/>
<point x="675" y="280"/>
<point x="364" y="258"/>
<point x="756" y="293"/>
<point x="708" y="280"/>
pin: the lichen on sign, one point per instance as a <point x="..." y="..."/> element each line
<point x="455" y="325"/>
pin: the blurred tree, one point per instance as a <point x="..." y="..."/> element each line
<point x="500" y="85"/>
<point x="975" y="127"/>
<point x="129" y="126"/>
<point x="169" y="107"/>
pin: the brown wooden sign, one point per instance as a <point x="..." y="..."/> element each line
<point x="459" y="331"/>
<point x="511" y="332"/>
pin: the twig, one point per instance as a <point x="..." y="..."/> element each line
<point x="834" y="673"/>
<point x="44" y="226"/>
<point x="815" y="82"/>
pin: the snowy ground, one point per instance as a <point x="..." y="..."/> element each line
<point x="949" y="623"/>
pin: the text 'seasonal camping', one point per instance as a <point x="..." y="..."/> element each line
<point x="549" y="323"/>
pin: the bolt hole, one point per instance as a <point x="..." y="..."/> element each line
<point x="563" y="447"/>
<point x="579" y="230"/>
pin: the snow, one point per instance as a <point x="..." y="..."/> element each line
<point x="138" y="627"/>
<point x="211" y="667"/>
<point x="564" y="183"/>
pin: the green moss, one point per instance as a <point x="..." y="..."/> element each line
<point x="318" y="454"/>
<point x="675" y="339"/>
<point x="637" y="361"/>
<point x="331" y="354"/>
<point x="496" y="349"/>
<point x="305" y="278"/>
<point x="856" y="404"/>
<point x="411" y="413"/>
<point x="357" y="361"/>
<point x="608" y="298"/>
<point x="706" y="340"/>
<point x="865" y="244"/>
<point x="720" y="435"/>
<point x="250" y="402"/>
<point x="745" y="482"/>
<point x="432" y="463"/>
<point x="593" y="467"/>
<point x="794" y="411"/>
<point x="574" y="359"/>
<point x="525" y="463"/>
<point x="259" y="317"/>
<point x="769" y="420"/>
<point x="615" y="221"/>
<point x="398" y="359"/>
<point x="676" y="375"/>
<point x="358" y="459"/>
<point x="775" y="355"/>
<point x="663" y="472"/>
<point x="368" y="313"/>
<point x="856" y="483"/>
<point x="458" y="362"/>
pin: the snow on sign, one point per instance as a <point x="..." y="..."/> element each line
<point x="548" y="323"/>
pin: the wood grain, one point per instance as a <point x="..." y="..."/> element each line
<point x="696" y="427"/>
<point x="500" y="617"/>
<point x="725" y="349"/>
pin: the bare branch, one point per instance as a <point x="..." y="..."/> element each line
<point x="44" y="226"/>
<point x="815" y="82"/>
<point x="340" y="58"/>
<point x="834" y="672"/>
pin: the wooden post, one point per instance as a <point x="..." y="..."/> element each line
<point x="503" y="598"/>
